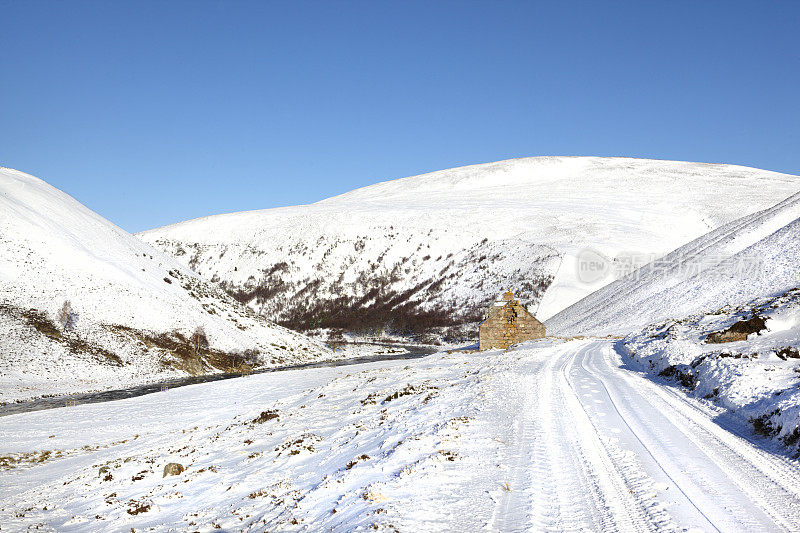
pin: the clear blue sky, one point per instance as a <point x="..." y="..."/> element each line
<point x="155" y="112"/>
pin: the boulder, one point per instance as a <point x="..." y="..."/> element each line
<point x="173" y="469"/>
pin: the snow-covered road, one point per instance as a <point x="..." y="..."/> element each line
<point x="597" y="442"/>
<point x="553" y="436"/>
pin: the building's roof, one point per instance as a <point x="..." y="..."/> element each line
<point x="504" y="299"/>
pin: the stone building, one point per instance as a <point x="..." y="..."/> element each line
<point x="507" y="323"/>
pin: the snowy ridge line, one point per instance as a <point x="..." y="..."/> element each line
<point x="446" y="243"/>
<point x="663" y="290"/>
<point x="85" y="306"/>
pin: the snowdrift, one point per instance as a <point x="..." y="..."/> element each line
<point x="434" y="249"/>
<point x="133" y="308"/>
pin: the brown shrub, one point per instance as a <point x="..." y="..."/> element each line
<point x="269" y="414"/>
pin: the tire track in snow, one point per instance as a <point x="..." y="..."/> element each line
<point x="780" y="470"/>
<point x="564" y="478"/>
<point x="767" y="479"/>
<point x="714" y="469"/>
<point x="625" y="507"/>
<point x="687" y="499"/>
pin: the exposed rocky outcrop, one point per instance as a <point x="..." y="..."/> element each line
<point x="738" y="331"/>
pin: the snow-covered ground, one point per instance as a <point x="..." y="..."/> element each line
<point x="134" y="308"/>
<point x="455" y="239"/>
<point x="552" y="436"/>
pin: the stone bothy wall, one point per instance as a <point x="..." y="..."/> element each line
<point x="507" y="323"/>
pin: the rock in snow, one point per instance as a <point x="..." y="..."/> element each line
<point x="173" y="469"/>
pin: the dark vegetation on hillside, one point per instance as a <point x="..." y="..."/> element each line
<point x="388" y="313"/>
<point x="376" y="310"/>
<point x="180" y="352"/>
<point x="190" y="356"/>
<point x="56" y="332"/>
<point x="367" y="293"/>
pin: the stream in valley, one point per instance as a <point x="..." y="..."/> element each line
<point x="392" y="352"/>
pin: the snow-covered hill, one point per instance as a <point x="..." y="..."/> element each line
<point x="134" y="309"/>
<point x="434" y="249"/>
<point x="752" y="257"/>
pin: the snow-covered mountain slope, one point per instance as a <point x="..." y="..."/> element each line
<point x="752" y="257"/>
<point x="133" y="308"/>
<point x="436" y="248"/>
